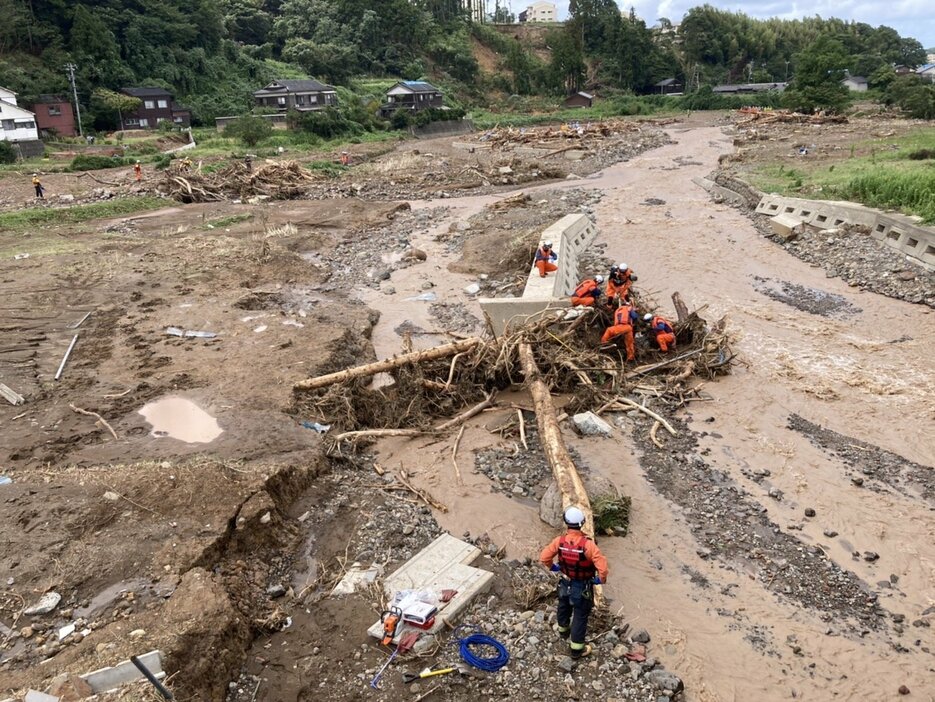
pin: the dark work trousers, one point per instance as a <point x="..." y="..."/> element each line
<point x="575" y="602"/>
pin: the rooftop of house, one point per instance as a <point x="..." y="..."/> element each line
<point x="50" y="99"/>
<point x="419" y="86"/>
<point x="146" y="92"/>
<point x="296" y="86"/>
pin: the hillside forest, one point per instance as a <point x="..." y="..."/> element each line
<point x="213" y="53"/>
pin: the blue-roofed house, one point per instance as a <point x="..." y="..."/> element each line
<point x="411" y="95"/>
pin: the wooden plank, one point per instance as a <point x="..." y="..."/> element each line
<point x="14" y="398"/>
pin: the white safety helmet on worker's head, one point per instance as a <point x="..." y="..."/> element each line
<point x="574" y="517"/>
<point x="547" y="244"/>
<point x="648" y="317"/>
<point x="622" y="266"/>
<point x="614" y="268"/>
<point x="598" y="279"/>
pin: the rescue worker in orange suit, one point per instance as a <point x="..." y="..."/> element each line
<point x="544" y="259"/>
<point x="662" y="330"/>
<point x="588" y="292"/>
<point x="619" y="283"/>
<point x="138" y="171"/>
<point x="625" y="318"/>
<point x="581" y="564"/>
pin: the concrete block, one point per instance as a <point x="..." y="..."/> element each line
<point x="575" y="154"/>
<point x="441" y="565"/>
<point x="786" y="226"/>
<point x="36" y="696"/>
<point x="589" y="424"/>
<point x="513" y="312"/>
<point x="124" y="672"/>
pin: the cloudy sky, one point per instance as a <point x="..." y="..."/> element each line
<point x="913" y="18"/>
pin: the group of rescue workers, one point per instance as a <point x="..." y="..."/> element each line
<point x="616" y="297"/>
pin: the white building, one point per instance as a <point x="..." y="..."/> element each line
<point x="856" y="84"/>
<point x="16" y="124"/>
<point x="539" y="12"/>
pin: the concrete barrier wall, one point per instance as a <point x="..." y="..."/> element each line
<point x="570" y="235"/>
<point x="900" y="232"/>
<point x="440" y="129"/>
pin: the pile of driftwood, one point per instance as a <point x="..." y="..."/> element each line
<point x="759" y="116"/>
<point x="443" y="381"/>
<point x="546" y="135"/>
<point x="281" y="180"/>
<point x="553" y="355"/>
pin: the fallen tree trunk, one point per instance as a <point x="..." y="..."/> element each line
<point x="550" y="434"/>
<point x="681" y="309"/>
<point x="387" y="364"/>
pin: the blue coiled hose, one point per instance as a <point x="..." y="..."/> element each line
<point x="490" y="665"/>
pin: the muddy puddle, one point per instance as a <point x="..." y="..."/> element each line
<point x="180" y="418"/>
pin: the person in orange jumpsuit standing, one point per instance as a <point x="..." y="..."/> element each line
<point x="619" y="283"/>
<point x="662" y="329"/>
<point x="581" y="564"/>
<point x="544" y="259"/>
<point x="588" y="292"/>
<point x="625" y="318"/>
<point x="138" y="171"/>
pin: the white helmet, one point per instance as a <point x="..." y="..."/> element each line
<point x="614" y="268"/>
<point x="598" y="279"/>
<point x="547" y="244"/>
<point x="648" y="317"/>
<point x="622" y="266"/>
<point x="574" y="517"/>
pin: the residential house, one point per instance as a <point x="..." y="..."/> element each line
<point x="579" y="99"/>
<point x="157" y="106"/>
<point x="54" y="116"/>
<point x="927" y="72"/>
<point x="857" y="84"/>
<point x="541" y="11"/>
<point x="17" y="124"/>
<point x="301" y="95"/>
<point x="669" y="86"/>
<point x="742" y="88"/>
<point x="412" y="95"/>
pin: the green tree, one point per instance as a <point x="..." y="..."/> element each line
<point x="820" y="70"/>
<point x="7" y="153"/>
<point x="250" y="129"/>
<point x="566" y="69"/>
<point x="116" y="102"/>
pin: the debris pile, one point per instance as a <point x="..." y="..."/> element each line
<point x="468" y="373"/>
<point x="768" y="116"/>
<point x="272" y="181"/>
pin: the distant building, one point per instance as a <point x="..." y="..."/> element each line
<point x="54" y="116"/>
<point x="579" y="99"/>
<point x="541" y="11"/>
<point x="857" y="84"/>
<point x="927" y="72"/>
<point x="302" y="95"/>
<point x="669" y="86"/>
<point x="411" y="95"/>
<point x="157" y="107"/>
<point x="742" y="88"/>
<point x="17" y="124"/>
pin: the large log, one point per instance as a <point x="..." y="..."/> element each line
<point x="550" y="434"/>
<point x="388" y="364"/>
<point x="681" y="309"/>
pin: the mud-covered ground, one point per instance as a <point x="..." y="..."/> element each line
<point x="770" y="554"/>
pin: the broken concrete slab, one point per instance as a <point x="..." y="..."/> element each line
<point x="786" y="226"/>
<point x="589" y="424"/>
<point x="357" y="578"/>
<point x="442" y="565"/>
<point x="13" y="397"/>
<point x="36" y="696"/>
<point x="107" y="679"/>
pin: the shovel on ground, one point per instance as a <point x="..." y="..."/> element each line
<point x="432" y="672"/>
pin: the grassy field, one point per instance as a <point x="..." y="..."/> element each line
<point x="889" y="173"/>
<point x="23" y="220"/>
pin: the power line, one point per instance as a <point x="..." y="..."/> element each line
<point x="70" y="67"/>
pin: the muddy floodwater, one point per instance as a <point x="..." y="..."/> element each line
<point x="180" y="418"/>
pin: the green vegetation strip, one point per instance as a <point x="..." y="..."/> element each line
<point x="43" y="216"/>
<point x="890" y="173"/>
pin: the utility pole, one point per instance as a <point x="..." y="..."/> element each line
<point x="70" y="67"/>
